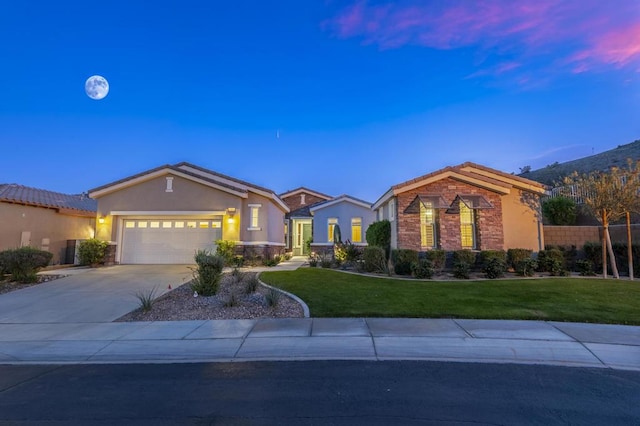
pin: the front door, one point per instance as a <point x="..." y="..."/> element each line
<point x="301" y="233"/>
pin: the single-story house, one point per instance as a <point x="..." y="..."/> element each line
<point x="349" y="214"/>
<point x="165" y="214"/>
<point x="468" y="206"/>
<point x="44" y="219"/>
<point x="299" y="220"/>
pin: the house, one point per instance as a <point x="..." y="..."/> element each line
<point x="468" y="206"/>
<point x="350" y="215"/>
<point x="165" y="214"/>
<point x="299" y="221"/>
<point x="44" y="219"/>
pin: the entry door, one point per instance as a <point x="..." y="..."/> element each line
<point x="306" y="234"/>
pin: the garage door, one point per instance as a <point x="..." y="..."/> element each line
<point x="167" y="241"/>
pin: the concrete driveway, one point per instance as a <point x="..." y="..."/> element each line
<point x="90" y="295"/>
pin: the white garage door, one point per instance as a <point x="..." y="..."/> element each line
<point x="167" y="241"/>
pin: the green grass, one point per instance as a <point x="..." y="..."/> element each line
<point x="334" y="294"/>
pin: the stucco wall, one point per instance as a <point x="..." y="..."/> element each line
<point x="521" y="221"/>
<point x="43" y="224"/>
<point x="151" y="195"/>
<point x="270" y="221"/>
<point x="344" y="212"/>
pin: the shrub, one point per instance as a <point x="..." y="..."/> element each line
<point x="238" y="261"/>
<point x="273" y="297"/>
<point x="438" y="259"/>
<point x="325" y="260"/>
<point x="92" y="251"/>
<point x="422" y="269"/>
<point x="402" y="260"/>
<point x="461" y="270"/>
<point x="237" y="275"/>
<point x="560" y="211"/>
<point x="585" y="267"/>
<point x="226" y="249"/>
<point x="379" y="235"/>
<point x="273" y="261"/>
<point x="465" y="256"/>
<point x="526" y="267"/>
<point x="232" y="300"/>
<point x="146" y="299"/>
<point x="516" y="255"/>
<point x="550" y="260"/>
<point x="593" y="253"/>
<point x="251" y="283"/>
<point x="495" y="268"/>
<point x="23" y="263"/>
<point x="313" y="261"/>
<point x="207" y="273"/>
<point x="374" y="259"/>
<point x="487" y="255"/>
<point x="346" y="252"/>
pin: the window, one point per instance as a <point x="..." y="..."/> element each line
<point x="254" y="218"/>
<point x="166" y="224"/>
<point x="302" y="199"/>
<point x="154" y="224"/>
<point x="392" y="209"/>
<point x="332" y="222"/>
<point x="129" y="224"/>
<point x="427" y="225"/>
<point x="204" y="225"/>
<point x="216" y="224"/>
<point x="142" y="224"/>
<point x="191" y="224"/>
<point x="467" y="226"/>
<point x="356" y="230"/>
<point x="179" y="225"/>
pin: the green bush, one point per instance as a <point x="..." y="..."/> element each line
<point x="526" y="267"/>
<point x="515" y="255"/>
<point x="422" y="269"/>
<point x="374" y="259"/>
<point x="551" y="260"/>
<point x="276" y="259"/>
<point x="226" y="249"/>
<point x="593" y="252"/>
<point x="379" y="235"/>
<point x="495" y="267"/>
<point x="487" y="255"/>
<point x="438" y="259"/>
<point x="92" y="251"/>
<point x="208" y="272"/>
<point x="402" y="260"/>
<point x="461" y="270"/>
<point x="585" y="268"/>
<point x="465" y="256"/>
<point x="346" y="252"/>
<point x="23" y="263"/>
<point x="560" y="211"/>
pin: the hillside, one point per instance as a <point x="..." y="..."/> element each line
<point x="554" y="173"/>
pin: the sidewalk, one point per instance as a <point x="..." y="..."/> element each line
<point x="527" y="342"/>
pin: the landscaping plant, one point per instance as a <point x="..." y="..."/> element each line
<point x="92" y="252"/>
<point x="494" y="268"/>
<point x="402" y="260"/>
<point x="226" y="249"/>
<point x="516" y="255"/>
<point x="422" y="269"/>
<point x="23" y="263"/>
<point x="207" y="274"/>
<point x="438" y="259"/>
<point x="374" y="260"/>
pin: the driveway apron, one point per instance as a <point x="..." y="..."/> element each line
<point x="97" y="295"/>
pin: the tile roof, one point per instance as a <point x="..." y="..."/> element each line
<point x="20" y="194"/>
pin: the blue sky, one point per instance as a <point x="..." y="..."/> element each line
<point x="339" y="96"/>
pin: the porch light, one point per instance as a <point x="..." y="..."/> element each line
<point x="101" y="220"/>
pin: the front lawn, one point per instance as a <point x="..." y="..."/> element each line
<point x="334" y="294"/>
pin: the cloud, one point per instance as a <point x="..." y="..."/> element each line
<point x="558" y="35"/>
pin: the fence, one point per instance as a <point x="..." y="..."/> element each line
<point x="578" y="235"/>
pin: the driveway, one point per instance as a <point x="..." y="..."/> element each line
<point x="91" y="295"/>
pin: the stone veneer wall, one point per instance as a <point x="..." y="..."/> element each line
<point x="293" y="201"/>
<point x="264" y="251"/>
<point x="489" y="221"/>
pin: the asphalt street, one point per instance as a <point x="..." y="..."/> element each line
<point x="317" y="392"/>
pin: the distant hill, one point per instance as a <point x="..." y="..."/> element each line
<point x="617" y="157"/>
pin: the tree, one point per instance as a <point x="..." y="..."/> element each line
<point x="609" y="196"/>
<point x="560" y="211"/>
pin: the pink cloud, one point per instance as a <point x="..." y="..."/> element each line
<point x="579" y="35"/>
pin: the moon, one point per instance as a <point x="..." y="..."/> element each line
<point x="96" y="87"/>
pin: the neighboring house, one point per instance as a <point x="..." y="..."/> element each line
<point x="468" y="206"/>
<point x="164" y="215"/>
<point x="351" y="215"/>
<point x="299" y="221"/>
<point x="44" y="219"/>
